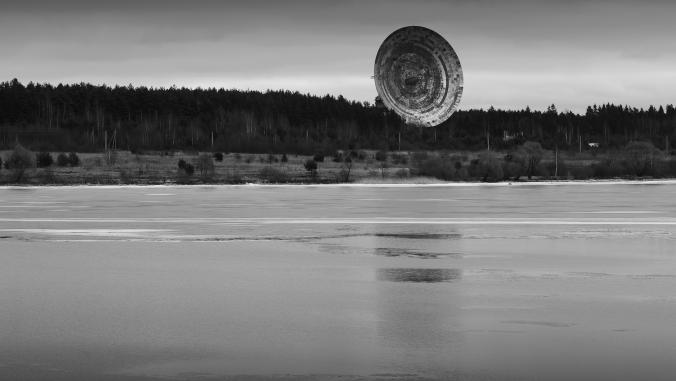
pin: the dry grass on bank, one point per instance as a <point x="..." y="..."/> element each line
<point x="124" y="167"/>
<point x="161" y="168"/>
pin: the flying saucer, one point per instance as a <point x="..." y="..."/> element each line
<point x="418" y="76"/>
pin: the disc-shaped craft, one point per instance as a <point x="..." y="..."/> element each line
<point x="418" y="76"/>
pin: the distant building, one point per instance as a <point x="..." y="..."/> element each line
<point x="506" y="136"/>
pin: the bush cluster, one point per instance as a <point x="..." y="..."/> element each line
<point x="637" y="159"/>
<point x="189" y="169"/>
<point x="186" y="167"/>
<point x="44" y="159"/>
<point x="381" y="156"/>
<point x="311" y="166"/>
<point x="71" y="159"/>
<point x="62" y="160"/>
<point x="20" y="159"/>
<point x="273" y="175"/>
<point x="205" y="164"/>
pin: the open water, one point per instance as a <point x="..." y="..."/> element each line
<point x="546" y="282"/>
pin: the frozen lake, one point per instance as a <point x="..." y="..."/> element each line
<point x="547" y="282"/>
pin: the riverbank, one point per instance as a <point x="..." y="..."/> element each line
<point x="433" y="183"/>
<point x="362" y="167"/>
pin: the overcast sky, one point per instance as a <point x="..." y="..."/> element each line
<point x="514" y="53"/>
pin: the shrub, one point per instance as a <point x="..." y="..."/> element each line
<point x="73" y="159"/>
<point x="530" y="154"/>
<point x="318" y="157"/>
<point x="639" y="157"/>
<point x="338" y="157"/>
<point x="218" y="156"/>
<point x="273" y="175"/>
<point x="205" y="164"/>
<point x="189" y="169"/>
<point x="311" y="166"/>
<point x="62" y="160"/>
<point x="436" y="167"/>
<point x="44" y="159"/>
<point x="181" y="164"/>
<point x="126" y="177"/>
<point x="487" y="168"/>
<point x="19" y="160"/>
<point x="402" y="173"/>
<point x="512" y="169"/>
<point x="344" y="174"/>
<point x="381" y="155"/>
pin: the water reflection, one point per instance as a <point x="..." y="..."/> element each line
<point x="399" y="252"/>
<point x="420" y="235"/>
<point x="552" y="324"/>
<point x="418" y="275"/>
<point x="421" y="317"/>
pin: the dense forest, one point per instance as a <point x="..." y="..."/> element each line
<point x="82" y="117"/>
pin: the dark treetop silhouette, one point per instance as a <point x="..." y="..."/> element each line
<point x="77" y="117"/>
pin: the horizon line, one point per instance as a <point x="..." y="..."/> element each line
<point x="317" y="95"/>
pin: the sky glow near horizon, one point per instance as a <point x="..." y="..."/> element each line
<point x="514" y="53"/>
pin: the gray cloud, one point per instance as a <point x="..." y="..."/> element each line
<point x="514" y="53"/>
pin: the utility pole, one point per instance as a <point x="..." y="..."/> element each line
<point x="556" y="161"/>
<point x="105" y="143"/>
<point x="666" y="144"/>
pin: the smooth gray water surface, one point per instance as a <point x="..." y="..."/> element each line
<point x="337" y="282"/>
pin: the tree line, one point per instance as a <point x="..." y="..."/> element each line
<point x="86" y="118"/>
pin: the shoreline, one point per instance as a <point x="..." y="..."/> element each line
<point x="367" y="169"/>
<point x="432" y="183"/>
